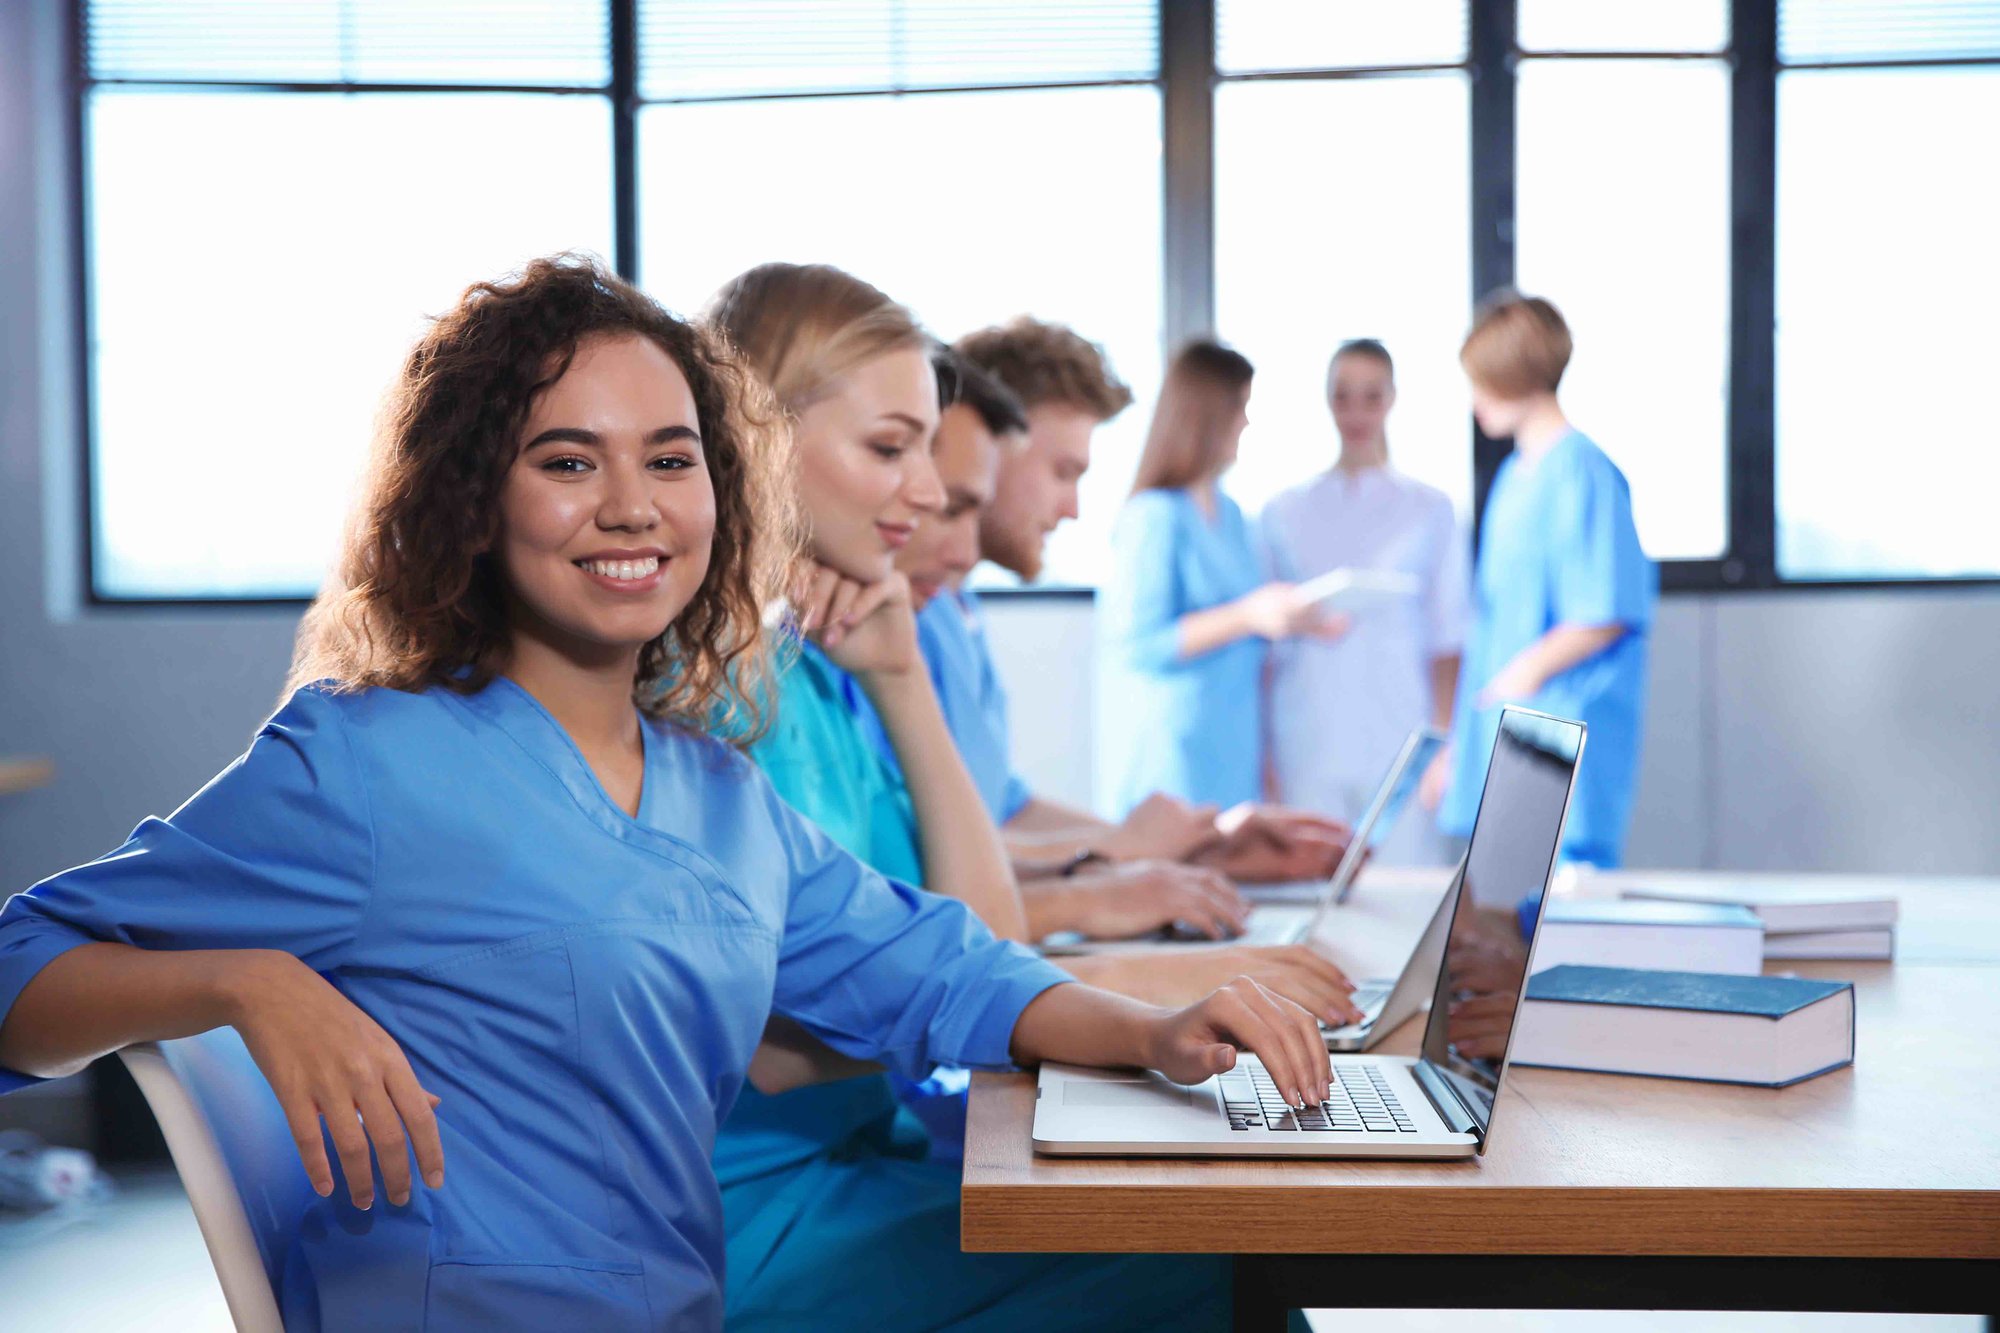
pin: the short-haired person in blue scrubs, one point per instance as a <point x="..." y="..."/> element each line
<point x="484" y="893"/>
<point x="1185" y="616"/>
<point x="1562" y="593"/>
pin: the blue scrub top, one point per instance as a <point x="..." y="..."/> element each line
<point x="583" y="989"/>
<point x="1194" y="728"/>
<point x="952" y="636"/>
<point x="1558" y="547"/>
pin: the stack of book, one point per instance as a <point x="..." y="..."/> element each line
<point x="1769" y="1031"/>
<point x="1683" y="937"/>
<point x="1800" y="920"/>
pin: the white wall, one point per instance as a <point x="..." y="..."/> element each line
<point x="1810" y="730"/>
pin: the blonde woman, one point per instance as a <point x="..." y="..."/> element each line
<point x="835" y="1216"/>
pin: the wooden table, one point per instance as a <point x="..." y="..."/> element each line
<point x="1873" y="1188"/>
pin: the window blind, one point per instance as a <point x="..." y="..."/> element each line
<point x="528" y="43"/>
<point x="1678" y="27"/>
<point x="747" y="48"/>
<point x="1860" y="31"/>
<point x="1261" y="36"/>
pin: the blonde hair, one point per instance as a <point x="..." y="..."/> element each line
<point x="803" y="326"/>
<point x="1047" y="363"/>
<point x="1519" y="345"/>
<point x="1188" y="439"/>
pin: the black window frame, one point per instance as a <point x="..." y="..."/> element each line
<point x="1187" y="77"/>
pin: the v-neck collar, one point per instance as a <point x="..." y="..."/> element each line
<point x="536" y="730"/>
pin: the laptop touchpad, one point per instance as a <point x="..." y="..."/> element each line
<point x="1137" y="1093"/>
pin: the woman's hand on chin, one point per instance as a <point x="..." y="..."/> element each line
<point x="868" y="629"/>
<point x="325" y="1058"/>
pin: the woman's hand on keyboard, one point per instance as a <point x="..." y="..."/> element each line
<point x="1204" y="1039"/>
<point x="1179" y="976"/>
<point x="1136" y="897"/>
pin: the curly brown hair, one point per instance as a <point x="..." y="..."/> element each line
<point x="416" y="603"/>
<point x="1047" y="363"/>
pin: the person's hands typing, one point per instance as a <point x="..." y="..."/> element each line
<point x="1175" y="976"/>
<point x="1274" y="844"/>
<point x="1207" y="1037"/>
<point x="1162" y="827"/>
<point x="1137" y="897"/>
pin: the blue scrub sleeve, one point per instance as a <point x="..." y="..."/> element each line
<point x="277" y="852"/>
<point x="1602" y="575"/>
<point x="1015" y="799"/>
<point x="882" y="971"/>
<point x="1140" y="604"/>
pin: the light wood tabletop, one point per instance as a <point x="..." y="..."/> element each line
<point x="1896" y="1157"/>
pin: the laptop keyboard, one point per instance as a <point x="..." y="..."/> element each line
<point x="1369" y="997"/>
<point x="1360" y="1102"/>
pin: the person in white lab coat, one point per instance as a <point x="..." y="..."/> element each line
<point x="1341" y="707"/>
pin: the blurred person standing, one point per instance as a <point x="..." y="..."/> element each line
<point x="1563" y="595"/>
<point x="1186" y="617"/>
<point x="1341" y="705"/>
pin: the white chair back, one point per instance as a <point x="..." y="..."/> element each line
<point x="235" y="1158"/>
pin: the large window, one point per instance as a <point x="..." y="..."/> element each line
<point x="1372" y="245"/>
<point x="975" y="161"/>
<point x="1769" y="222"/>
<point x="1059" y="217"/>
<point x="1888" y="459"/>
<point x="1622" y="218"/>
<point x="266" y="237"/>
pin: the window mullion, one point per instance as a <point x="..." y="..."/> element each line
<point x="1751" y="558"/>
<point x="1493" y="78"/>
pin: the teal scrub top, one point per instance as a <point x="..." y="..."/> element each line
<point x="583" y="988"/>
<point x="818" y="761"/>
<point x="840" y="1200"/>
<point x="1558" y="546"/>
<point x="818" y="755"/>
<point x="952" y="636"/>
<point x="1193" y="729"/>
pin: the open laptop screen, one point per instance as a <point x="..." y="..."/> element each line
<point x="1398" y="785"/>
<point x="1513" y="851"/>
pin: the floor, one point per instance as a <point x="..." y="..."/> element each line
<point x="57" y="1271"/>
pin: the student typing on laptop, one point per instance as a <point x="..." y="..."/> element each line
<point x="1439" y="1104"/>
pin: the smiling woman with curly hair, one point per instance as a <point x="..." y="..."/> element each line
<point x="419" y="600"/>
<point x="483" y="890"/>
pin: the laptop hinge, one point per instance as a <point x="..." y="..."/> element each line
<point x="1444" y="1099"/>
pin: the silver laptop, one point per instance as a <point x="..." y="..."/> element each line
<point x="1386" y="1005"/>
<point x="1293" y="919"/>
<point x="1437" y="1104"/>
<point x="1273" y="924"/>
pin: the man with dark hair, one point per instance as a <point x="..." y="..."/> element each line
<point x="1067" y="389"/>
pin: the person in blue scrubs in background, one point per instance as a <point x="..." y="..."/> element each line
<point x="485" y="893"/>
<point x="1563" y="595"/>
<point x="1185" y="615"/>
